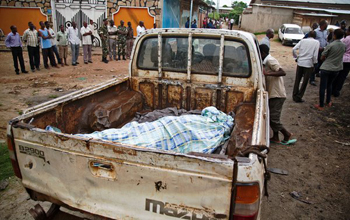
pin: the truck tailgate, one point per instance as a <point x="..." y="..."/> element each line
<point x="123" y="182"/>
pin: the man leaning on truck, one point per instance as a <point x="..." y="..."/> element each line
<point x="277" y="95"/>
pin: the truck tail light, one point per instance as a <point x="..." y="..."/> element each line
<point x="247" y="201"/>
<point x="11" y="147"/>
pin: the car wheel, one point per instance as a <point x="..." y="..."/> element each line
<point x="283" y="42"/>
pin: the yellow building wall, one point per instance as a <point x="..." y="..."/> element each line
<point x="20" y="18"/>
<point x="134" y="15"/>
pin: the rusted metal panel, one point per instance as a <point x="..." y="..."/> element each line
<point x="114" y="113"/>
<point x="233" y="98"/>
<point x="242" y="132"/>
<point x="147" y="89"/>
<point x="174" y="96"/>
<point x="42" y="119"/>
<point x="203" y="98"/>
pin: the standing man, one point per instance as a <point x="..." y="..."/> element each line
<point x="270" y="33"/>
<point x="187" y="24"/>
<point x="87" y="43"/>
<point x="62" y="39"/>
<point x="232" y="21"/>
<point x="46" y="47"/>
<point x="307" y="58"/>
<point x="339" y="81"/>
<point x="277" y="95"/>
<point x="140" y="28"/>
<point x="321" y="36"/>
<point x="129" y="40"/>
<point x="343" y="27"/>
<point x="73" y="37"/>
<point x="205" y="23"/>
<point x="112" y="35"/>
<point x="93" y="31"/>
<point x="30" y="36"/>
<point x="332" y="58"/>
<point x="313" y="28"/>
<point x="13" y="41"/>
<point x="103" y="32"/>
<point x="194" y="24"/>
<point x="53" y="41"/>
<point x="122" y="32"/>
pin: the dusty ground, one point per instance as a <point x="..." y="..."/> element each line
<point x="318" y="164"/>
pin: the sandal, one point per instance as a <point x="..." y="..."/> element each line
<point x="291" y="141"/>
<point x="318" y="107"/>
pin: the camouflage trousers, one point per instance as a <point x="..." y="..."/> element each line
<point x="104" y="49"/>
<point x="121" y="48"/>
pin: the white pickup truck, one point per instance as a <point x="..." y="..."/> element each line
<point x="183" y="68"/>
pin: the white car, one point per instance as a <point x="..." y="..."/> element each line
<point x="290" y="34"/>
<point x="334" y="27"/>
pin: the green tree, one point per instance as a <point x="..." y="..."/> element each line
<point x="225" y="6"/>
<point x="209" y="2"/>
<point x="238" y="8"/>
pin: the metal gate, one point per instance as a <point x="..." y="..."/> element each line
<point x="79" y="11"/>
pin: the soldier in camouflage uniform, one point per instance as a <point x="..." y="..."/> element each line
<point x="103" y="32"/>
<point x="122" y="32"/>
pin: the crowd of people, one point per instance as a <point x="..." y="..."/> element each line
<point x="54" y="46"/>
<point x="322" y="53"/>
<point x="211" y="23"/>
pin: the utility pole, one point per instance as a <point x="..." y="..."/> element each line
<point x="190" y="24"/>
<point x="217" y="6"/>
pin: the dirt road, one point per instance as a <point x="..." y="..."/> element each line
<point x="318" y="164"/>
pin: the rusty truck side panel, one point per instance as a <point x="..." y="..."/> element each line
<point x="109" y="178"/>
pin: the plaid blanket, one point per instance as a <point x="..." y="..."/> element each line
<point x="188" y="133"/>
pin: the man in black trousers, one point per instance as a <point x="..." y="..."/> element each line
<point x="13" y="41"/>
<point x="30" y="37"/>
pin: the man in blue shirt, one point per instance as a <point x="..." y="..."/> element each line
<point x="194" y="24"/>
<point x="46" y="46"/>
<point x="187" y="24"/>
<point x="13" y="41"/>
<point x="211" y="25"/>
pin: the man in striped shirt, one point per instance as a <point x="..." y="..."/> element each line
<point x="30" y="37"/>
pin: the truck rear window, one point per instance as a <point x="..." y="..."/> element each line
<point x="205" y="56"/>
<point x="148" y="55"/>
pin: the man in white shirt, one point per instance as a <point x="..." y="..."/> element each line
<point x="87" y="42"/>
<point x="321" y="36"/>
<point x="93" y="31"/>
<point x="232" y="21"/>
<point x="306" y="59"/>
<point x="73" y="37"/>
<point x="53" y="41"/>
<point x="277" y="95"/>
<point x="270" y="33"/>
<point x="140" y="28"/>
<point x="112" y="42"/>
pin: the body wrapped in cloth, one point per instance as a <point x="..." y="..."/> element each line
<point x="183" y="134"/>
